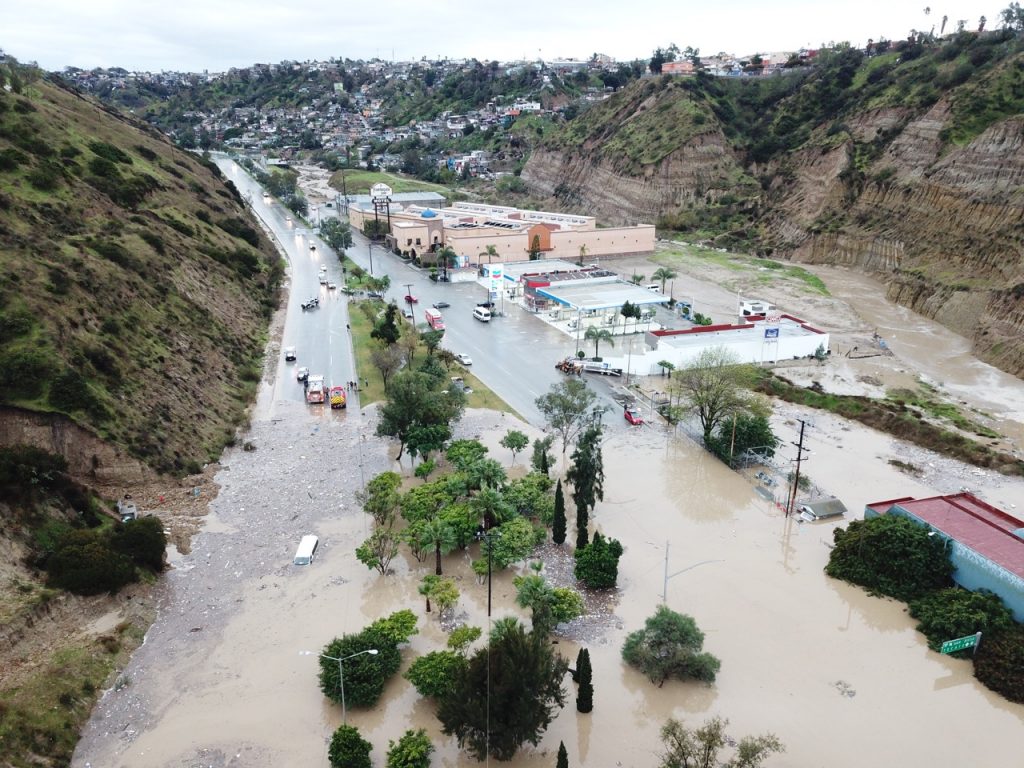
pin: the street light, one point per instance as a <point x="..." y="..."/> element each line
<point x="341" y="672"/>
<point x="664" y="588"/>
<point x="483" y="534"/>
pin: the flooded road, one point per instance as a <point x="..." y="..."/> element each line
<point x="220" y="680"/>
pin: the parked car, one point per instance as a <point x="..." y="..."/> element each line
<point x="332" y="286"/>
<point x="375" y="295"/>
<point x="311" y="304"/>
<point x="407" y="314"/>
<point x="410" y="299"/>
<point x="289" y="353"/>
<point x="312" y="246"/>
<point x="463" y="358"/>
<point x="486" y="304"/>
<point x="440" y="305"/>
<point x="302" y="374"/>
<point x="633" y="416"/>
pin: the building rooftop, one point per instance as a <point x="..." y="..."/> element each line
<point x="733" y="333"/>
<point x="595" y="293"/>
<point x="987" y="530"/>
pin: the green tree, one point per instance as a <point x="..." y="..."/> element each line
<point x="507" y="695"/>
<point x="541" y="458"/>
<point x="143" y="540"/>
<point x="663" y="275"/>
<point x="534" y="252"/>
<point x="348" y="749"/>
<point x="584" y="676"/>
<point x="746" y="430"/>
<point x="442" y="591"/>
<point x="713" y="385"/>
<point x="377" y="551"/>
<point x="440" y="536"/>
<point x="516" y="540"/>
<point x="631" y="310"/>
<point x="365" y="674"/>
<point x="954" y="612"/>
<point x="381" y="499"/>
<point x="84" y="563"/>
<point x="890" y="555"/>
<point x="597" y="563"/>
<point x="413" y="401"/>
<point x="999" y="662"/>
<point x="412" y="750"/>
<point x="666" y="367"/>
<point x="463" y="637"/>
<point x="462" y="454"/>
<point x="699" y="747"/>
<point x="386" y="330"/>
<point x="562" y="761"/>
<point x="432" y="340"/>
<point x="558" y="526"/>
<point x="597" y="335"/>
<point x="587" y="477"/>
<point x="337" y="234"/>
<point x="670" y="645"/>
<point x="567" y="408"/>
<point x="388" y="361"/>
<point x="515" y="441"/>
<point x="434" y="674"/>
<point x="490" y="252"/>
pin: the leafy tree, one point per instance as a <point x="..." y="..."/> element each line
<point x="388" y="361"/>
<point x="432" y="340"/>
<point x="999" y="662"/>
<point x="597" y="563"/>
<point x="597" y="335"/>
<point x="413" y="401"/>
<point x="490" y="506"/>
<point x="558" y="526"/>
<point x="587" y="477"/>
<point x="386" y="329"/>
<point x="348" y="749"/>
<point x="84" y="563"/>
<point x="143" y="540"/>
<point x="434" y="674"/>
<point x="746" y="430"/>
<point x="567" y="408"/>
<point x="515" y="541"/>
<point x="562" y="761"/>
<point x="443" y="591"/>
<point x="381" y="499"/>
<point x="412" y="750"/>
<point x="485" y="473"/>
<point x="427" y="501"/>
<point x="631" y="310"/>
<point x="954" y="612"/>
<point x="712" y="387"/>
<point x="670" y="645"/>
<point x="663" y="275"/>
<point x="515" y="441"/>
<point x="699" y="748"/>
<point x="584" y="676"/>
<point x="506" y="696"/>
<point x="890" y="555"/>
<point x="464" y="453"/>
<point x="365" y="674"/>
<point x="336" y="233"/>
<point x="377" y="551"/>
<point x="541" y="459"/>
<point x="463" y="637"/>
<point x="530" y="496"/>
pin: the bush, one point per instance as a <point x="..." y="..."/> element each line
<point x="670" y="645"/>
<point x="109" y="152"/>
<point x="597" y="564"/>
<point x="999" y="662"/>
<point x="951" y="613"/>
<point x="366" y="675"/>
<point x="24" y="373"/>
<point x="433" y="675"/>
<point x="85" y="564"/>
<point x="348" y="749"/>
<point x="890" y="555"/>
<point x="143" y="540"/>
<point x="411" y="751"/>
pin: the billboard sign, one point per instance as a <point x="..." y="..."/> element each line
<point x="380" y="192"/>
<point x="771" y="333"/>
<point x="495" y="275"/>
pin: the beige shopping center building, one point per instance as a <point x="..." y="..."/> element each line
<point x="469" y="228"/>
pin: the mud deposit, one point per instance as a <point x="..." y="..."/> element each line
<point x="842" y="678"/>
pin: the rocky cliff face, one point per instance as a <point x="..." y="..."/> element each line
<point x="882" y="191"/>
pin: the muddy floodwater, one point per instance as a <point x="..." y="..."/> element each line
<point x="842" y="678"/>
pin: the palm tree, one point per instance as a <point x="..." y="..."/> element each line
<point x="441" y="536"/>
<point x="597" y="335"/>
<point x="663" y="274"/>
<point x="490" y="252"/>
<point x="637" y="279"/>
<point x="446" y="256"/>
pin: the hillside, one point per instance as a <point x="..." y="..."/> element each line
<point x="906" y="162"/>
<point x="134" y="291"/>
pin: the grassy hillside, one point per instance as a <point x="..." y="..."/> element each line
<point x="134" y="288"/>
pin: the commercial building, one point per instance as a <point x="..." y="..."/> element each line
<point x="986" y="543"/>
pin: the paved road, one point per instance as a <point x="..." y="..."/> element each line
<point x="514" y="354"/>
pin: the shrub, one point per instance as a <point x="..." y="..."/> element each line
<point x="434" y="674"/>
<point x="11" y="158"/>
<point x="24" y="373"/>
<point x="999" y="662"/>
<point x="15" y="323"/>
<point x="366" y="675"/>
<point x="890" y="555"/>
<point x="109" y="152"/>
<point x="955" y="612"/>
<point x="670" y="645"/>
<point x="143" y="540"/>
<point x="597" y="564"/>
<point x="411" y="751"/>
<point x="348" y="749"/>
<point x="85" y="564"/>
<point x="46" y="176"/>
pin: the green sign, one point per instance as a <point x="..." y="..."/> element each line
<point x="952" y="646"/>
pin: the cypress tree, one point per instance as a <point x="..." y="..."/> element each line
<point x="582" y="518"/>
<point x="558" y="526"/>
<point x="584" y="675"/>
<point x="563" y="756"/>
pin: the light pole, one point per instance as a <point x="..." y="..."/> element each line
<point x="341" y="673"/>
<point x="483" y="534"/>
<point x="664" y="588"/>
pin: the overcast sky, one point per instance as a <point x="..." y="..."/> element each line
<point x="214" y="35"/>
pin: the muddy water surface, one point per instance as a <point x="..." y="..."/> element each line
<point x="222" y="680"/>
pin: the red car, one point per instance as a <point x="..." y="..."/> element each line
<point x="410" y="299"/>
<point x="633" y="416"/>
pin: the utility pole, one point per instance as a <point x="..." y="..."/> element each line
<point x="791" y="501"/>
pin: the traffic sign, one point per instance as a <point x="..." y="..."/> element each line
<point x="771" y="333"/>
<point x="961" y="643"/>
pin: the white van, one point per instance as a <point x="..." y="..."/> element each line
<point x="307" y="550"/>
<point x="656" y="287"/>
<point x="482" y="314"/>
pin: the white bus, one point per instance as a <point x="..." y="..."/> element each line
<point x="307" y="550"/>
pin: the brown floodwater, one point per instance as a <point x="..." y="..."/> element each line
<point x="841" y="677"/>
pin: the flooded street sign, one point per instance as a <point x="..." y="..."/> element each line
<point x="952" y="646"/>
